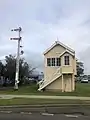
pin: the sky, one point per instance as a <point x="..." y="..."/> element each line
<point x="42" y="21"/>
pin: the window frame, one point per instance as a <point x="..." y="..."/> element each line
<point x="66" y="60"/>
<point x="58" y="61"/>
<point x="53" y="62"/>
<point x="49" y="60"/>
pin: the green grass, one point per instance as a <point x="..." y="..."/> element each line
<point x="82" y="89"/>
<point x="27" y="101"/>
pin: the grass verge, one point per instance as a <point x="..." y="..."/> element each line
<point x="27" y="101"/>
<point x="82" y="89"/>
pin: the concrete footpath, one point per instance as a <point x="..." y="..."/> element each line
<point x="44" y="97"/>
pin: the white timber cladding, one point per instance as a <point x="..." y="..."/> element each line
<point x="59" y="61"/>
<point x="56" y="60"/>
<point x="61" y="44"/>
<point x="66" y="51"/>
<point x="56" y="85"/>
<point x="63" y="59"/>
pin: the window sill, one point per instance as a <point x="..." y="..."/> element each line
<point x="53" y="66"/>
<point x="66" y="65"/>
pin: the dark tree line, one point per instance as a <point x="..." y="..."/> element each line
<point x="7" y="69"/>
<point x="80" y="68"/>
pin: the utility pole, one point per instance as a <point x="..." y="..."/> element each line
<point x="18" y="56"/>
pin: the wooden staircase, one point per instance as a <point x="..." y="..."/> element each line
<point x="44" y="83"/>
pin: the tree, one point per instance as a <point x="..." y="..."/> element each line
<point x="80" y="69"/>
<point x="10" y="68"/>
<point x="23" y="70"/>
<point x="1" y="69"/>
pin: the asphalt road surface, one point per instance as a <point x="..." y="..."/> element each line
<point x="42" y="116"/>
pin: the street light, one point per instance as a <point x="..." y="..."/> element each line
<point x="18" y="56"/>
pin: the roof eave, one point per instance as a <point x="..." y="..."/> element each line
<point x="67" y="52"/>
<point x="58" y="43"/>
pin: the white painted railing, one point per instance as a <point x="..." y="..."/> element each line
<point x="44" y="83"/>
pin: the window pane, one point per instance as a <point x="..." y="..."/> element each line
<point x="58" y="62"/>
<point x="66" y="60"/>
<point x="48" y="62"/>
<point x="53" y="61"/>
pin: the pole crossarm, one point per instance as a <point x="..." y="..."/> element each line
<point x="16" y="38"/>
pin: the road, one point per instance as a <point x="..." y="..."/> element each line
<point x="44" y="97"/>
<point x="21" y="116"/>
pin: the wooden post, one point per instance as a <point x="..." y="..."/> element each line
<point x="62" y="84"/>
<point x="73" y="82"/>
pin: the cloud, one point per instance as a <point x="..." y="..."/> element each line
<point x="85" y="58"/>
<point x="35" y="60"/>
<point x="42" y="22"/>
